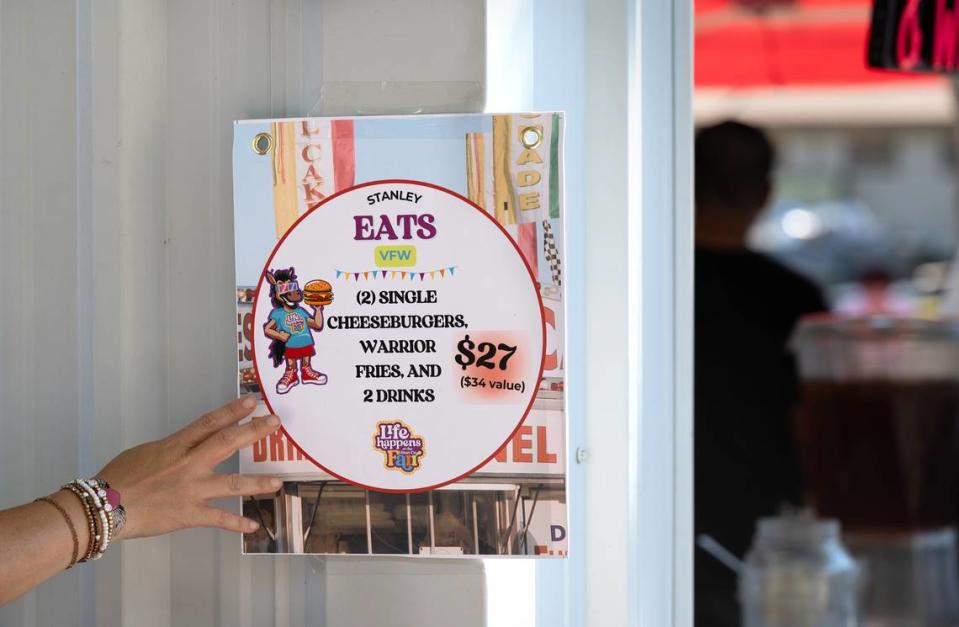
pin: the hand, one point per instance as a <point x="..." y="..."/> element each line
<point x="166" y="485"/>
<point x="284" y="336"/>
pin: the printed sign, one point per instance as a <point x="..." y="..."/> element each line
<point x="915" y="36"/>
<point x="498" y="272"/>
<point x="392" y="376"/>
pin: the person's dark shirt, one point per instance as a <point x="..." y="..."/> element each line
<point x="746" y="465"/>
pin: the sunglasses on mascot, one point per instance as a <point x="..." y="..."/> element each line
<point x="285" y="287"/>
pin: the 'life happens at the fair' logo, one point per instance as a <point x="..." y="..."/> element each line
<point x="402" y="449"/>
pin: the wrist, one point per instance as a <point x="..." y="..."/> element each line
<point x="103" y="514"/>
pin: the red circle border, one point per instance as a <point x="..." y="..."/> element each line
<point x="542" y="316"/>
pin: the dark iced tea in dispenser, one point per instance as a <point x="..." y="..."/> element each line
<point x="879" y="421"/>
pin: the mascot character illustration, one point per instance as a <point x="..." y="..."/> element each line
<point x="291" y="327"/>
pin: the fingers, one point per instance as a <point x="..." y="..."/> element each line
<point x="228" y="440"/>
<point x="219" y="486"/>
<point x="212" y="422"/>
<point x="222" y="519"/>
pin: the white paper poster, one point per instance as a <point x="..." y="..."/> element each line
<point x="400" y="306"/>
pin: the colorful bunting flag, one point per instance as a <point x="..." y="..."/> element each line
<point x="381" y="274"/>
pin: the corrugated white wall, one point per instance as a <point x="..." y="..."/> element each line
<point x="116" y="249"/>
<point x="38" y="328"/>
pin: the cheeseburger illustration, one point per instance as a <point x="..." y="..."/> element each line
<point x="318" y="293"/>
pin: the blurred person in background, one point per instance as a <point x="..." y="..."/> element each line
<point x="745" y="376"/>
<point x="875" y="294"/>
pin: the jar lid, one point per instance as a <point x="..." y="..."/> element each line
<point x="798" y="528"/>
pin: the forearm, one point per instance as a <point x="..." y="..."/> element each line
<point x="36" y="544"/>
<point x="154" y="488"/>
<point x="277" y="335"/>
<point x="316" y="322"/>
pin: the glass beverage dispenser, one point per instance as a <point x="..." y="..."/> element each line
<point x="878" y="430"/>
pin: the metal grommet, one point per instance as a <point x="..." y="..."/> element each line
<point x="262" y="143"/>
<point x="531" y="136"/>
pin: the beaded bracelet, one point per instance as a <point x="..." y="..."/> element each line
<point x="116" y="513"/>
<point x="104" y="536"/>
<point x="105" y="515"/>
<point x="92" y="528"/>
<point x="73" y="530"/>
